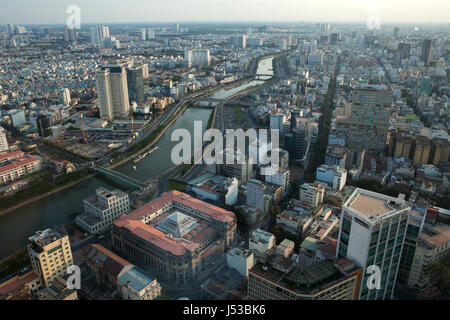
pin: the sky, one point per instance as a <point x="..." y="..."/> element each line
<point x="153" y="11"/>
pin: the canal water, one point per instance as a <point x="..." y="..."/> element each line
<point x="17" y="225"/>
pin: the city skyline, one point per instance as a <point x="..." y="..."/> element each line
<point x="350" y="11"/>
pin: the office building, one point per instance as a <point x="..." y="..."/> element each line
<point x="197" y="57"/>
<point x="367" y="125"/>
<point x="11" y="29"/>
<point x="70" y="35"/>
<point x="112" y="92"/>
<point x="64" y="96"/>
<point x="334" y="39"/>
<point x="297" y="140"/>
<point x="3" y="141"/>
<point x="280" y="279"/>
<point x="372" y="232"/>
<point x="433" y="244"/>
<point x="239" y="41"/>
<point x="17" y="118"/>
<point x="427" y="47"/>
<point x="135" y="82"/>
<point x="101" y="209"/>
<point x="176" y="235"/>
<point x="50" y="255"/>
<point x="277" y="121"/>
<point x="413" y="232"/>
<point x="311" y="194"/>
<point x="333" y="176"/>
<point x="44" y="125"/>
<point x="98" y="34"/>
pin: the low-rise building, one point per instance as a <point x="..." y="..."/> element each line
<point x="311" y="194"/>
<point x="260" y="241"/>
<point x="333" y="176"/>
<point x="102" y="209"/>
<point x="16" y="164"/>
<point x="241" y="260"/>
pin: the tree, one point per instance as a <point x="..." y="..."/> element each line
<point x="439" y="273"/>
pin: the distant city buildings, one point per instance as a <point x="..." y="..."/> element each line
<point x="239" y="41"/>
<point x="197" y="57"/>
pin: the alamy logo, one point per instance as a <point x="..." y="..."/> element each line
<point x="74" y="20"/>
<point x="374" y="280"/>
<point x="74" y="280"/>
<point x="260" y="150"/>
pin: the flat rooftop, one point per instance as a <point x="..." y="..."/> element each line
<point x="369" y="203"/>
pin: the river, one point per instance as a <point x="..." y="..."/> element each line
<point x="17" y="225"/>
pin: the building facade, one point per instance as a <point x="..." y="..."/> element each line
<point x="50" y="255"/>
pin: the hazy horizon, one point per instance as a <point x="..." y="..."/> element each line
<point x="227" y="11"/>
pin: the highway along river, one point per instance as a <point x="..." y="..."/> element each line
<point x="17" y="225"/>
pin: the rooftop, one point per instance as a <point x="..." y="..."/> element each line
<point x="135" y="279"/>
<point x="368" y="203"/>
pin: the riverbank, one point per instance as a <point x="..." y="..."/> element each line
<point x="46" y="194"/>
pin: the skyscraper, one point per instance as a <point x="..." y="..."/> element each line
<point x="427" y="47"/>
<point x="197" y="57"/>
<point x="367" y="125"/>
<point x="64" y="96"/>
<point x="70" y="35"/>
<point x="112" y="91"/>
<point x="98" y="34"/>
<point x="372" y="233"/>
<point x="239" y="41"/>
<point x="334" y="39"/>
<point x="3" y="141"/>
<point x="11" y="29"/>
<point x="135" y="85"/>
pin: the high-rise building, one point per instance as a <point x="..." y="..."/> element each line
<point x="433" y="244"/>
<point x="70" y="35"/>
<point x="44" y="124"/>
<point x="239" y="41"/>
<point x="396" y="32"/>
<point x="296" y="141"/>
<point x="3" y="141"/>
<point x="197" y="57"/>
<point x="11" y="29"/>
<point x="367" y="126"/>
<point x="64" y="96"/>
<point x="135" y="83"/>
<point x="112" y="91"/>
<point x="98" y="34"/>
<point x="50" y="255"/>
<point x="334" y="39"/>
<point x="150" y="34"/>
<point x="277" y="122"/>
<point x="427" y="47"/>
<point x="143" y="34"/>
<point x="372" y="233"/>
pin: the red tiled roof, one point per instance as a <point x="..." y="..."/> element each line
<point x="133" y="222"/>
